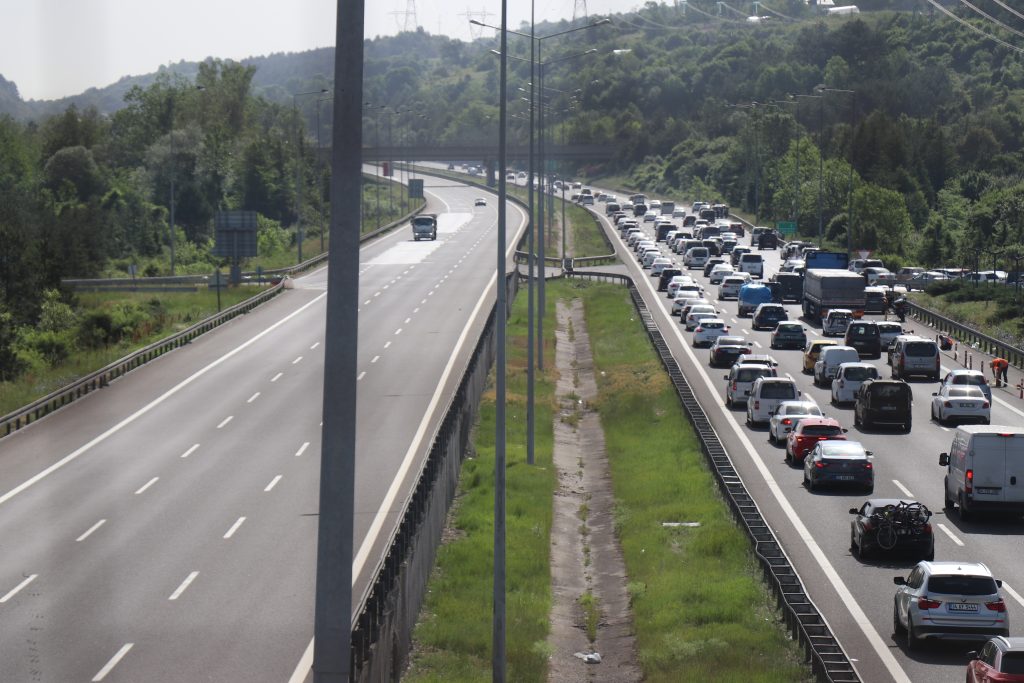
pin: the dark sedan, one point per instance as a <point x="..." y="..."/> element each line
<point x="892" y="525"/>
<point x="839" y="462"/>
<point x="789" y="335"/>
<point x="727" y="349"/>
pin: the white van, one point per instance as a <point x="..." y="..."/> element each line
<point x="835" y="323"/>
<point x="696" y="257"/>
<point x="829" y="360"/>
<point x="985" y="470"/>
<point x="766" y="395"/>
<point x="753" y="264"/>
<point x="910" y="355"/>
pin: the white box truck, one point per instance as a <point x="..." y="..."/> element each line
<point x="985" y="470"/>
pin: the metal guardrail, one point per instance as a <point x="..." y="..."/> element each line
<point x="968" y="335"/>
<point x="828" y="661"/>
<point x="96" y="380"/>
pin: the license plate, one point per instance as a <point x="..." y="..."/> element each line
<point x="963" y="607"/>
<point x="886" y="409"/>
<point x="844" y="477"/>
<point x="986" y="489"/>
<point x="966" y="405"/>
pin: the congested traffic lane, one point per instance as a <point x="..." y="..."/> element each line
<point x="906" y="465"/>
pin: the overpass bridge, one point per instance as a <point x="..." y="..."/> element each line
<point x="553" y="152"/>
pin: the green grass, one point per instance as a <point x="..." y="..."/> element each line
<point x="453" y="637"/>
<point x="700" y="609"/>
<point x="182" y="309"/>
<point x="587" y="237"/>
<point x="701" y="612"/>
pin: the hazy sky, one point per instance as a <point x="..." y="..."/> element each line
<point x="53" y="48"/>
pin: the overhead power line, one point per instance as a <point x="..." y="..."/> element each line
<point x="992" y="19"/>
<point x="972" y="27"/>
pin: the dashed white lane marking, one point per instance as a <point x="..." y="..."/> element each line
<point x="315" y="344"/>
<point x="234" y="527"/>
<point x="89" y="531"/>
<point x="273" y="483"/>
<point x="423" y="301"/>
<point x="744" y="330"/>
<point x="398" y="331"/>
<point x="14" y="591"/>
<point x="758" y="344"/>
<point x="253" y="397"/>
<point x="949" y="533"/>
<point x="145" y="486"/>
<point x="297" y="360"/>
<point x="108" y="667"/>
<point x="430" y="293"/>
<point x="416" y="310"/>
<point x="734" y="321"/>
<point x="387" y="344"/>
<point x="368" y="302"/>
<point x="903" y="488"/>
<point x="361" y="375"/>
<point x="407" y="321"/>
<point x="376" y="293"/>
<point x="375" y="359"/>
<point x="1014" y="594"/>
<point x="302" y="449"/>
<point x="384" y="287"/>
<point x="276" y="377"/>
<point x="190" y="451"/>
<point x="223" y="422"/>
<point x="184" y="584"/>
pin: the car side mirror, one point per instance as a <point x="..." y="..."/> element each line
<point x="999" y="582"/>
<point x="935" y="393"/>
<point x="854" y="511"/>
<point x="869" y="452"/>
<point x="973" y="654"/>
<point x="944" y="459"/>
<point x="725" y="377"/>
<point x="845" y="430"/>
<point x="899" y="580"/>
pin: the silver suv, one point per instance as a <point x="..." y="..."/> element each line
<point x="949" y="601"/>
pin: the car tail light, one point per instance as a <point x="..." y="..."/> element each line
<point x="969" y="485"/>
<point x="868" y="466"/>
<point x="984" y="405"/>
<point x="734" y="386"/>
<point x="699" y="329"/>
<point x="787" y="421"/>
<point x="924" y="602"/>
<point x="821" y="464"/>
<point x="947" y="404"/>
<point x="997" y="606"/>
<point x="744" y="351"/>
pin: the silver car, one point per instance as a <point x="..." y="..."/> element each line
<point x="949" y="601"/>
<point x="785" y="417"/>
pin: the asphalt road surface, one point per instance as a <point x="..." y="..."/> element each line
<point x="164" y="528"/>
<point x="856" y="597"/>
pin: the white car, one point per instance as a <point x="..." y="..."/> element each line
<point x="649" y="256"/>
<point x="696" y="308"/>
<point x="848" y="379"/>
<point x="650" y="216"/>
<point x="694" y="319"/>
<point x="887" y="331"/>
<point x="741" y="379"/>
<point x="785" y="417"/>
<point x="684" y="292"/>
<point x="730" y="287"/>
<point x="766" y="394"/>
<point x="678" y="281"/>
<point x="660" y="264"/>
<point x="960" y="403"/>
<point x="708" y="329"/>
<point x="719" y="273"/>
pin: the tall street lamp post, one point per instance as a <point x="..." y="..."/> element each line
<point x="298" y="163"/>
<point x="319" y="166"/>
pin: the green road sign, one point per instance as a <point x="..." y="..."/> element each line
<point x="786" y="227"/>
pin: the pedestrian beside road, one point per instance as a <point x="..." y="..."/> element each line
<point x="999" y="370"/>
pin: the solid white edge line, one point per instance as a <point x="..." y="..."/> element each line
<point x="184" y="584"/>
<point x="903" y="488"/>
<point x="234" y="527"/>
<point x="306" y="662"/>
<point x="273" y="483"/>
<point x="949" y="533"/>
<point x="14" y="591"/>
<point x="147" y="485"/>
<point x="1016" y="596"/>
<point x="91" y="529"/>
<point x="846" y="597"/>
<point x="112" y="663"/>
<point x="153" y="404"/>
<point x="302" y="449"/>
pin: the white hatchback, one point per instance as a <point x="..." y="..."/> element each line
<point x="708" y="329"/>
<point x="785" y="417"/>
<point x="848" y="379"/>
<point x="678" y="281"/>
<point x="719" y="273"/>
<point x="730" y="287"/>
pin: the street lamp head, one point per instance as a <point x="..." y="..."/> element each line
<point x="602" y="22"/>
<point x="477" y="23"/>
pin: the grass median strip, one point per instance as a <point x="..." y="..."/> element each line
<point x="699" y="607"/>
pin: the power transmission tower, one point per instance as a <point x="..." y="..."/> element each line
<point x="579" y="10"/>
<point x="481" y="16"/>
<point x="410" y="23"/>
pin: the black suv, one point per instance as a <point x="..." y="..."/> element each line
<point x="883" y="402"/>
<point x="666" y="277"/>
<point x="768" y="316"/>
<point x="864" y="336"/>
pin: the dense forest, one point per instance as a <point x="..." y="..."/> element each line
<point x="910" y="118"/>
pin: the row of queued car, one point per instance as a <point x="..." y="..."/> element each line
<point x="936" y="600"/>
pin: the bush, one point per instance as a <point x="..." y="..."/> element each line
<point x="96" y="329"/>
<point x="52" y="347"/>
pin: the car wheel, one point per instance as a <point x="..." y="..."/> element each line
<point x="870" y="488"/>
<point x="930" y="555"/>
<point x="906" y="427"/>
<point x="897" y="627"/>
<point x="947" y="502"/>
<point x="750" y="423"/>
<point x="834" y="401"/>
<point x="789" y="458"/>
<point x="728" y="403"/>
<point x="810" y="482"/>
<point x="965" y="514"/>
<point x="913" y="642"/>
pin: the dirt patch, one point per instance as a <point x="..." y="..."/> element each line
<point x="590" y="609"/>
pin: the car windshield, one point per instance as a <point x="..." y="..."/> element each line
<point x="822" y="430"/>
<point x="859" y="374"/>
<point x="962" y="585"/>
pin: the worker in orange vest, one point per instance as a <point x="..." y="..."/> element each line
<point x="999" y="368"/>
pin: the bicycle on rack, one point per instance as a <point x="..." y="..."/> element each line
<point x="902" y="519"/>
<point x="889" y="524"/>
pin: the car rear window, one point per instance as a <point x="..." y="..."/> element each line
<point x="975" y="380"/>
<point x="859" y="374"/>
<point x="920" y="349"/>
<point x="1013" y="663"/>
<point x="751" y="374"/>
<point x="890" y="391"/>
<point x="966" y="392"/>
<point x="962" y="585"/>
<point x="862" y="330"/>
<point x="822" y="430"/>
<point x="778" y="390"/>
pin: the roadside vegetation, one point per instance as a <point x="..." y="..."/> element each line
<point x="995" y="309"/>
<point x="700" y="610"/>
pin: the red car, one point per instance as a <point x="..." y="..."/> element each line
<point x="808" y="432"/>
<point x="1001" y="659"/>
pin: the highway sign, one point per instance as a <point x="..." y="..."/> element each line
<point x="786" y="227"/>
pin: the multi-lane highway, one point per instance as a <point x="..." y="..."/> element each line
<point x="164" y="529"/>
<point x="854" y="596"/>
